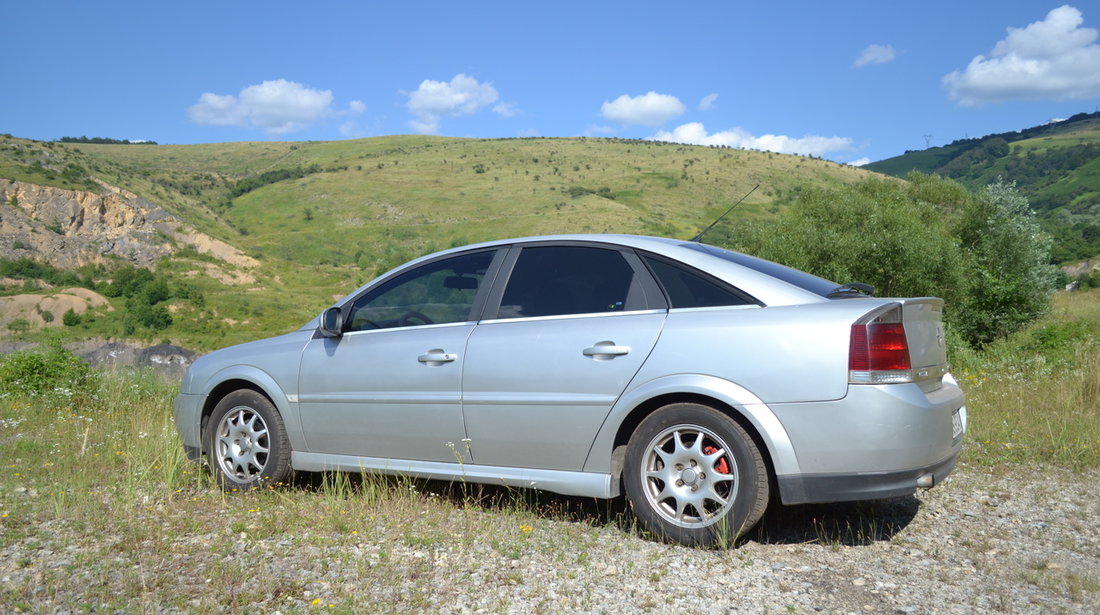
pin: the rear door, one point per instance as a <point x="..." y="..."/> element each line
<point x="561" y="341"/>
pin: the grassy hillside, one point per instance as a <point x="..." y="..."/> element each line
<point x="323" y="217"/>
<point x="1057" y="166"/>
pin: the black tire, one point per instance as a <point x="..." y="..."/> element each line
<point x="695" y="476"/>
<point x="246" y="442"/>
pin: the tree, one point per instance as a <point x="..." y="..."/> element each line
<point x="883" y="233"/>
<point x="982" y="253"/>
<point x="1012" y="279"/>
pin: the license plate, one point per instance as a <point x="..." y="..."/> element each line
<point x="956" y="425"/>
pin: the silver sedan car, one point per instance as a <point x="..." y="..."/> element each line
<point x="700" y="382"/>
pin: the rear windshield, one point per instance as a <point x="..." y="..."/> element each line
<point x="794" y="277"/>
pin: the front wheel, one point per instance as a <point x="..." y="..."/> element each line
<point x="693" y="475"/>
<point x="246" y="442"/>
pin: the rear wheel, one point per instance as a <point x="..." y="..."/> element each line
<point x="247" y="442"/>
<point x="695" y="476"/>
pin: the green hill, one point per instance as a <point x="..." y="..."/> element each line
<point x="1056" y="165"/>
<point x="323" y="217"/>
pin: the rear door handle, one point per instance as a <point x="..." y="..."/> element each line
<point x="436" y="357"/>
<point x="604" y="351"/>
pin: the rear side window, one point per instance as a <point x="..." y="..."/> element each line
<point x="690" y="289"/>
<point x="558" y="280"/>
<point x="794" y="277"/>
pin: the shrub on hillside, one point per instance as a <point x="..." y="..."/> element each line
<point x="983" y="254"/>
<point x="70" y="318"/>
<point x="1012" y="279"/>
<point x="878" y="232"/>
<point x="50" y="371"/>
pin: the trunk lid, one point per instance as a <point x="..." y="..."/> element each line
<point x="923" y="319"/>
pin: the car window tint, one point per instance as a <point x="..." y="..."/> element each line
<point x="550" y="281"/>
<point x="438" y="292"/>
<point x="690" y="289"/>
<point x="801" y="279"/>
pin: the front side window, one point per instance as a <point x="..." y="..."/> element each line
<point x="559" y="280"/>
<point x="438" y="292"/>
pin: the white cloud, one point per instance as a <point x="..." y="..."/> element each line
<point x="650" y="109"/>
<point x="434" y="100"/>
<point x="875" y="54"/>
<point x="505" y="110"/>
<point x="696" y="134"/>
<point x="708" y="102"/>
<point x="860" y="162"/>
<point x="277" y="107"/>
<point x="350" y="130"/>
<point x="596" y="130"/>
<point x="1050" y="59"/>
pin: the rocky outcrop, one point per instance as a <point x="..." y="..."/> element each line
<point x="167" y="359"/>
<point x="69" y="228"/>
<point x="1082" y="268"/>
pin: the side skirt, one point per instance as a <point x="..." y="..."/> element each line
<point x="586" y="484"/>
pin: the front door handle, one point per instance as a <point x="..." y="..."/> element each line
<point x="605" y="351"/>
<point x="436" y="357"/>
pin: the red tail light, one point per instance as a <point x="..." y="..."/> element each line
<point x="878" y="352"/>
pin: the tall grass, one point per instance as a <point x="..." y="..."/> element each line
<point x="100" y="509"/>
<point x="1035" y="396"/>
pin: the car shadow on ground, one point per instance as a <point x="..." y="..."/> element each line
<point x="850" y="524"/>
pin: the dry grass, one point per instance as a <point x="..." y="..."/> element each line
<point x="100" y="510"/>
<point x="1034" y="397"/>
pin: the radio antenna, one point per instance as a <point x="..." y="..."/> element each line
<point x="699" y="238"/>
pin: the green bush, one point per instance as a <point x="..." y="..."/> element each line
<point x="49" y="371"/>
<point x="155" y="317"/>
<point x="70" y="318"/>
<point x="19" y="325"/>
<point x="878" y="232"/>
<point x="1060" y="342"/>
<point x="983" y="254"/>
<point x="1012" y="279"/>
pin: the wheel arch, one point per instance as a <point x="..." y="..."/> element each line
<point x="755" y="417"/>
<point x="256" y="380"/>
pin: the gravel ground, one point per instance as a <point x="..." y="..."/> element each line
<point x="982" y="542"/>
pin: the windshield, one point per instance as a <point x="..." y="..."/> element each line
<point x="801" y="279"/>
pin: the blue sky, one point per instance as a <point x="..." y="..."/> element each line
<point x="849" y="81"/>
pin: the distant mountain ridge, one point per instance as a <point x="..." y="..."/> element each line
<point x="1056" y="165"/>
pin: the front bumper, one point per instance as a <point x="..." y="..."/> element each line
<point x="188" y="413"/>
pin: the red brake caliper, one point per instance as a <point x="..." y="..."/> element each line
<point x="723" y="466"/>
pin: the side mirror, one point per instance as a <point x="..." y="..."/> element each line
<point x="332" y="322"/>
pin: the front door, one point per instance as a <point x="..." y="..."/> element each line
<point x="391" y="385"/>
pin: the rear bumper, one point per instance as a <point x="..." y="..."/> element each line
<point x="880" y="441"/>
<point x="806" y="489"/>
